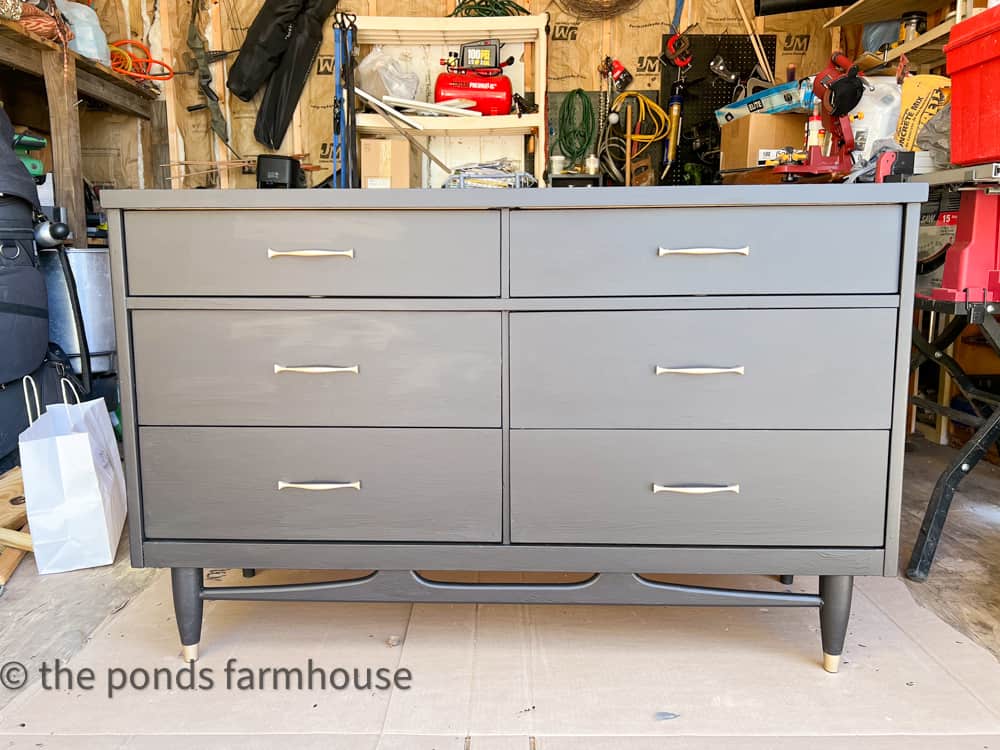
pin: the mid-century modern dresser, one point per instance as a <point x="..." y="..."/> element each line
<point x="619" y="381"/>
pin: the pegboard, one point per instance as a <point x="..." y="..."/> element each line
<point x="708" y="92"/>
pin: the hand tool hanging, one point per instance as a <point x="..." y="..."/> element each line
<point x="201" y="65"/>
<point x="345" y="134"/>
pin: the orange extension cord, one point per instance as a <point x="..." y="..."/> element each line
<point x="124" y="61"/>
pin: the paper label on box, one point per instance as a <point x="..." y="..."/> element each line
<point x="378" y="182"/>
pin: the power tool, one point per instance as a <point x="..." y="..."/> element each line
<point x="24" y="144"/>
<point x="476" y="73"/>
<point x="837" y="89"/>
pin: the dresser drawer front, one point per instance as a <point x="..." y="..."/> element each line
<point x="745" y="488"/>
<point x="360" y="253"/>
<point x="413" y="485"/>
<point x="717" y="368"/>
<point x="394" y="369"/>
<point x="736" y="250"/>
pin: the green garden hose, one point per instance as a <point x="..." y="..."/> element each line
<point x="489" y="8"/>
<point x="575" y="132"/>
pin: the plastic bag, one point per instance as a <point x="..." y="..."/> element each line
<point x="935" y="138"/>
<point x="380" y="74"/>
<point x="88" y="36"/>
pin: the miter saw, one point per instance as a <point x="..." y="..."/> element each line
<point x="836" y="91"/>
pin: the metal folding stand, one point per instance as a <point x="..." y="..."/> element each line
<point x="970" y="293"/>
<point x="986" y="417"/>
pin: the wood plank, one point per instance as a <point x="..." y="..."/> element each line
<point x="868" y="11"/>
<point x="60" y="89"/>
<point x="15" y="539"/>
<point x="11" y="487"/>
<point x="10" y="558"/>
<point x="95" y="87"/>
<point x="926" y="48"/>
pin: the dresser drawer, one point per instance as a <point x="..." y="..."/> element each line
<point x="285" y="368"/>
<point x="724" y="250"/>
<point x="354" y="253"/>
<point x="704" y="487"/>
<point x="368" y="484"/>
<point x="808" y="369"/>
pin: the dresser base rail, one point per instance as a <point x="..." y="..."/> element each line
<point x="833" y="600"/>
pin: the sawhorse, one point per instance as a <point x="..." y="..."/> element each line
<point x="986" y="417"/>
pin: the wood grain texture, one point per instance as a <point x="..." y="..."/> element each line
<point x="12" y="516"/>
<point x="795" y="488"/>
<point x="560" y="254"/>
<point x="395" y="254"/>
<point x="414" y="370"/>
<point x="60" y="90"/>
<point x="416" y="485"/>
<point x="598" y="369"/>
<point x="16" y="539"/>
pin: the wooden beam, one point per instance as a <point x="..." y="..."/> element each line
<point x="112" y="94"/>
<point x="24" y="51"/>
<point x="60" y="90"/>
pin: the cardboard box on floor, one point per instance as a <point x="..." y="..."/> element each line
<point x="744" y="139"/>
<point x="389" y="163"/>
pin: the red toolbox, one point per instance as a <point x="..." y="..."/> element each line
<point x="974" y="66"/>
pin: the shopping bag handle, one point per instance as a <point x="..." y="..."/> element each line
<point x="63" y="382"/>
<point x="25" y="382"/>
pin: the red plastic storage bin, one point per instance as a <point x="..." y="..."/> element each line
<point x="974" y="66"/>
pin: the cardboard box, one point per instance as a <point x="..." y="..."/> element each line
<point x="749" y="141"/>
<point x="389" y="163"/>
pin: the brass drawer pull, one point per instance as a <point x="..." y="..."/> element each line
<point x="696" y="489"/>
<point x="310" y="253"/>
<point x="741" y="370"/>
<point x="319" y="486"/>
<point x="704" y="251"/>
<point x="316" y="369"/>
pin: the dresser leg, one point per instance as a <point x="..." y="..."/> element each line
<point x="835" y="591"/>
<point x="188" y="606"/>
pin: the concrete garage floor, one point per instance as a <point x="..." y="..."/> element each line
<point x="920" y="667"/>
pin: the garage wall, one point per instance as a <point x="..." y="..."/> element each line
<point x="575" y="47"/>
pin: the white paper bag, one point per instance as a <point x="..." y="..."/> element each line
<point x="74" y="487"/>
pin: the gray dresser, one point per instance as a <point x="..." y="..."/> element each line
<point x="619" y="381"/>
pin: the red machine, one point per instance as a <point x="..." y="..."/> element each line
<point x="972" y="265"/>
<point x="836" y="90"/>
<point x="476" y="73"/>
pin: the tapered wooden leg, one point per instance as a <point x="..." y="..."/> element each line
<point x="188" y="606"/>
<point x="834" y="614"/>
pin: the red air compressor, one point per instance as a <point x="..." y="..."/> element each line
<point x="476" y="73"/>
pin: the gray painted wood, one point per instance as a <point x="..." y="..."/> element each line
<point x="225" y="253"/>
<point x="416" y="485"/>
<point x="196" y="367"/>
<point x="814" y="488"/>
<point x="126" y="387"/>
<point x="549" y="304"/>
<point x="515" y="557"/>
<point x="707" y="195"/>
<point x="901" y="386"/>
<point x="813" y="369"/>
<point x="615" y="252"/>
<point x="601" y="588"/>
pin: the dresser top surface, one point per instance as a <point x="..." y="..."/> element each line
<point x="614" y="197"/>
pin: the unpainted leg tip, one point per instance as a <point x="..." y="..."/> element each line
<point x="190" y="653"/>
<point x="831" y="663"/>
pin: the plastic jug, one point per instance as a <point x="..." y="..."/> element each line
<point x="89" y="39"/>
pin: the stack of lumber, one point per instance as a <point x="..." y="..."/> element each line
<point x="15" y="541"/>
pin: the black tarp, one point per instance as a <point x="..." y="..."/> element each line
<point x="280" y="48"/>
